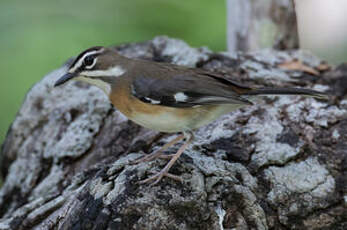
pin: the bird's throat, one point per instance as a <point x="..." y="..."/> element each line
<point x="104" y="86"/>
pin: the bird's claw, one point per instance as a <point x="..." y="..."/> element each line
<point x="157" y="177"/>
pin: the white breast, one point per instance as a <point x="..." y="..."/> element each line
<point x="169" y="122"/>
<point x="163" y="122"/>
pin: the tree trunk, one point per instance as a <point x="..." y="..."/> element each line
<point x="255" y="24"/>
<point x="322" y="28"/>
<point x="280" y="164"/>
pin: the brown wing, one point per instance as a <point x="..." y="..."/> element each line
<point x="188" y="88"/>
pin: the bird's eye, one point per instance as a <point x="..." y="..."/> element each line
<point x="88" y="61"/>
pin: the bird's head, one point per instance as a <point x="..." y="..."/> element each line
<point x="98" y="66"/>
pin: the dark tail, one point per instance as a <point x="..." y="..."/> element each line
<point x="287" y="91"/>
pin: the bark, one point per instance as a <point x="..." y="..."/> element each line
<point x="280" y="164"/>
<point x="255" y="24"/>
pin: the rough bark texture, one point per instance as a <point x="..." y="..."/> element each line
<point x="280" y="164"/>
<point x="255" y="24"/>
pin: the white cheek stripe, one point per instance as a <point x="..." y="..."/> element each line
<point x="80" y="62"/>
<point x="115" y="71"/>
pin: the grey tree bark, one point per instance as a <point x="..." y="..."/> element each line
<point x="280" y="164"/>
<point x="255" y="24"/>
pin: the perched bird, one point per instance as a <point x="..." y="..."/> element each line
<point x="165" y="97"/>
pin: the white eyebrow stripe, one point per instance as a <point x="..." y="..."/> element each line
<point x="115" y="71"/>
<point x="80" y="61"/>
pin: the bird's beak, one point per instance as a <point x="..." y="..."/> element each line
<point x="64" y="79"/>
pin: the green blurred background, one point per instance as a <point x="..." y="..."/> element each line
<point x="37" y="36"/>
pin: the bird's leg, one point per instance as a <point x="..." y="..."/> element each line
<point x="164" y="172"/>
<point x="159" y="152"/>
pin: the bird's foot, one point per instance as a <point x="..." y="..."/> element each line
<point x="159" y="152"/>
<point x="166" y="156"/>
<point x="157" y="177"/>
<point x="165" y="171"/>
<point x="147" y="158"/>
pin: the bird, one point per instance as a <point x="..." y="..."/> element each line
<point x="165" y="97"/>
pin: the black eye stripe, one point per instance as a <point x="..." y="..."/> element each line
<point x="96" y="48"/>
